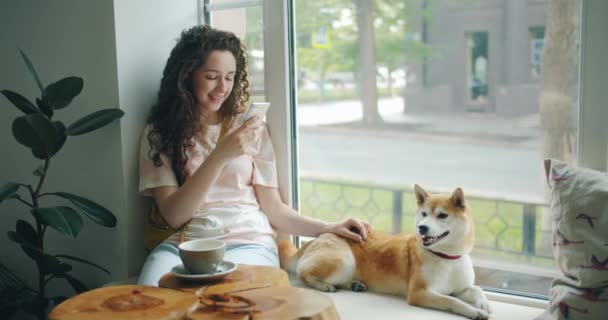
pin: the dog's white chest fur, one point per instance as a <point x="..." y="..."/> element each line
<point x="448" y="276"/>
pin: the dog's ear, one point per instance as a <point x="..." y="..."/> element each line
<point x="421" y="195"/>
<point x="458" y="198"/>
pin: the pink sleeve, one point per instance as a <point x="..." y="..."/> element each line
<point x="151" y="176"/>
<point x="264" y="163"/>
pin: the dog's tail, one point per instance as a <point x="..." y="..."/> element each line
<point x="289" y="255"/>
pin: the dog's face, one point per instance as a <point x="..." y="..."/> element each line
<point x="443" y="222"/>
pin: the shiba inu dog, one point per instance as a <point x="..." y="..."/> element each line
<point x="431" y="268"/>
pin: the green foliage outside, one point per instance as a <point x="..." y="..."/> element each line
<point x="397" y="38"/>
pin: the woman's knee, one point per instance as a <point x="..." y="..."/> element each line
<point x="158" y="263"/>
<point x="252" y="254"/>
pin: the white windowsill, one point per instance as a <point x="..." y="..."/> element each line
<point x="517" y="300"/>
<point x="369" y="305"/>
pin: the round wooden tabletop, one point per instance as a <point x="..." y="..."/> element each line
<point x="250" y="292"/>
<point x="126" y="302"/>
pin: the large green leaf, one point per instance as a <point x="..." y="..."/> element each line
<point x="65" y="256"/>
<point x="7" y="190"/>
<point x="60" y="127"/>
<point x="60" y="94"/>
<point x="93" y="210"/>
<point x="30" y="66"/>
<point x="15" y="237"/>
<point x="38" y="133"/>
<point x="27" y="232"/>
<point x="44" y="107"/>
<point x="28" y="239"/>
<point x="21" y="102"/>
<point x="62" y="219"/>
<point x="61" y="139"/>
<point x="40" y="154"/>
<point x="94" y="121"/>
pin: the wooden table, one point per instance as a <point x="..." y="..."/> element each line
<point x="250" y="292"/>
<point x="273" y="303"/>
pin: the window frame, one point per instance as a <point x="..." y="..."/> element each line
<point x="278" y="74"/>
<point x="593" y="132"/>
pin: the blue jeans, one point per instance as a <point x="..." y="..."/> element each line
<point x="166" y="256"/>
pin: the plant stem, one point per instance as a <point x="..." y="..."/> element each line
<point x="47" y="280"/>
<point x="40" y="228"/>
<point x="25" y="202"/>
<point x="46" y="167"/>
<point x="35" y="195"/>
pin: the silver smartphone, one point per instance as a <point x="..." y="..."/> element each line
<point x="256" y="109"/>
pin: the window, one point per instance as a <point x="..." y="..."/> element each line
<point x="369" y="129"/>
<point x="244" y="18"/>
<point x="477" y="66"/>
<point x="422" y="97"/>
<point x="537" y="40"/>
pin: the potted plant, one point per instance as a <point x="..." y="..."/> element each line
<point x="45" y="136"/>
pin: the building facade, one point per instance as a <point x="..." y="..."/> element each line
<point x="487" y="58"/>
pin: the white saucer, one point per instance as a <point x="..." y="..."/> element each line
<point x="224" y="269"/>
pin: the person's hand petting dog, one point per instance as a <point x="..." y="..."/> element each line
<point x="351" y="228"/>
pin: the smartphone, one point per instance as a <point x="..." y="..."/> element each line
<point x="256" y="109"/>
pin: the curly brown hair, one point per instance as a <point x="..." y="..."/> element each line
<point x="175" y="118"/>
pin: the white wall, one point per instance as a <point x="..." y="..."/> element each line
<point x="120" y="49"/>
<point x="146" y="31"/>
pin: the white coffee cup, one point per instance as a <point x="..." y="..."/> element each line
<point x="202" y="256"/>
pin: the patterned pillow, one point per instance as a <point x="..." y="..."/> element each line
<point x="579" y="208"/>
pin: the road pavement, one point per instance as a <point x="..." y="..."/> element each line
<point x="484" y="154"/>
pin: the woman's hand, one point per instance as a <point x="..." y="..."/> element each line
<point x="239" y="142"/>
<point x="351" y="228"/>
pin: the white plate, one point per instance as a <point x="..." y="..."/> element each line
<point x="224" y="269"/>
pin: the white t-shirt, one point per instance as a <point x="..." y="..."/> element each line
<point x="231" y="201"/>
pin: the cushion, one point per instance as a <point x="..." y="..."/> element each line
<point x="579" y="209"/>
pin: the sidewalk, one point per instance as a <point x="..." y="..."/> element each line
<point x="342" y="114"/>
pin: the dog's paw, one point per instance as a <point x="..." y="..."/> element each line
<point x="326" y="287"/>
<point x="484" y="305"/>
<point x="474" y="313"/>
<point x="481" y="315"/>
<point x="358" y="286"/>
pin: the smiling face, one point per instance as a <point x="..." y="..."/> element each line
<point x="443" y="222"/>
<point x="213" y="82"/>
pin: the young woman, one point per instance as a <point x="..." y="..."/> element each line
<point x="203" y="166"/>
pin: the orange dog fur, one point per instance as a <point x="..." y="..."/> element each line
<point x="432" y="267"/>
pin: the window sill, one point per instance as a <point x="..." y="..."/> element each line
<point x="369" y="305"/>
